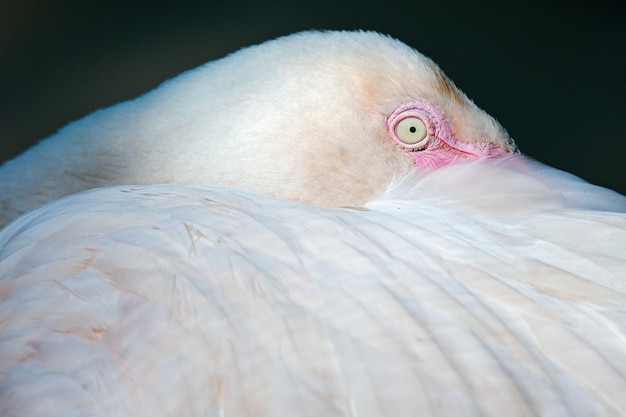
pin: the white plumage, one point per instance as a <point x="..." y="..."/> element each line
<point x="490" y="286"/>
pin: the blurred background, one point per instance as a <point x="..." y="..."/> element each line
<point x="552" y="72"/>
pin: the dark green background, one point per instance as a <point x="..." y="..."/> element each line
<point x="552" y="72"/>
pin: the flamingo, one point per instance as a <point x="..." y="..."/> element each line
<point x="322" y="224"/>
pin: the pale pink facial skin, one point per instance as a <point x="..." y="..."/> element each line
<point x="440" y="148"/>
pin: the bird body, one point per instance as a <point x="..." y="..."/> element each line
<point x="348" y="236"/>
<point x="189" y="300"/>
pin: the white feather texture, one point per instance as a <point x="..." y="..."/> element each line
<point x="504" y="295"/>
<point x="487" y="287"/>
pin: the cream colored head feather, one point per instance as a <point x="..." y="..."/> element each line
<point x="312" y="117"/>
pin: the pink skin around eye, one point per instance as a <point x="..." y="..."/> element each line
<point x="443" y="148"/>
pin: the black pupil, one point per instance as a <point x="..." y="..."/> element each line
<point x="412" y="129"/>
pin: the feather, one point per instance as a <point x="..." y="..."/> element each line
<point x="324" y="262"/>
<point x="189" y="300"/>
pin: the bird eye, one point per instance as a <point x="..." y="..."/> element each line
<point x="413" y="132"/>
